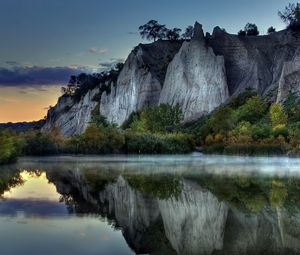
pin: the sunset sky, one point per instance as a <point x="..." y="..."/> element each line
<point x="43" y="42"/>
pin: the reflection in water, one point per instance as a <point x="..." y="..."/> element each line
<point x="154" y="205"/>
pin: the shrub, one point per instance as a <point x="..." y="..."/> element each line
<point x="252" y="111"/>
<point x="147" y="143"/>
<point x="10" y="146"/>
<point x="277" y="115"/>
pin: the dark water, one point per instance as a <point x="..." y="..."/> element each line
<point x="150" y="205"/>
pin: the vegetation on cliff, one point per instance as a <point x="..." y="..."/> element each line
<point x="248" y="125"/>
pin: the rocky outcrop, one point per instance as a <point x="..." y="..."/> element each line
<point x="199" y="75"/>
<point x="71" y="117"/>
<point x="254" y="61"/>
<point x="289" y="82"/>
<point x="196" y="78"/>
<point x="140" y="82"/>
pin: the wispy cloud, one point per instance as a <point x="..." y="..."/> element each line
<point x="97" y="50"/>
<point x="92" y="50"/>
<point x="110" y="63"/>
<point x="103" y="50"/>
<point x="11" y="63"/>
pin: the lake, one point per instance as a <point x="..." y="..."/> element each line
<point x="189" y="204"/>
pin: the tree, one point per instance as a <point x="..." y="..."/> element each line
<point x="271" y="30"/>
<point x="251" y="29"/>
<point x="188" y="33"/>
<point x="242" y="33"/>
<point x="252" y="111"/>
<point x="173" y="34"/>
<point x="277" y="115"/>
<point x="291" y="16"/>
<point x="152" y="30"/>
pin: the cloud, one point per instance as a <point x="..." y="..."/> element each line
<point x="110" y="63"/>
<point x="34" y="76"/>
<point x="96" y="50"/>
<point x="11" y="63"/>
<point x="103" y="50"/>
<point x="92" y="50"/>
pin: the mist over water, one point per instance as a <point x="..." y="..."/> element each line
<point x="190" y="204"/>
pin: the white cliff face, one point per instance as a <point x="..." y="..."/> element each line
<point x="136" y="88"/>
<point x="69" y="117"/>
<point x="289" y="82"/>
<point x="194" y="223"/>
<point x="195" y="79"/>
<point x="140" y="81"/>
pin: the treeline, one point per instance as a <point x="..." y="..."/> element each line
<point x="155" y="130"/>
<point x="248" y="125"/>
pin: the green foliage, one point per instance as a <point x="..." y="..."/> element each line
<point x="252" y="111"/>
<point x="97" y="140"/>
<point x="38" y="143"/>
<point x="10" y="146"/>
<point x="292" y="108"/>
<point x="277" y="115"/>
<point x="157" y="185"/>
<point x="147" y="143"/>
<point x="157" y="119"/>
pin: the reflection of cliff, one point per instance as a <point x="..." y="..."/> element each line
<point x="195" y="221"/>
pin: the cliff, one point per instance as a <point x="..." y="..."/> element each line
<point x="199" y="75"/>
<point x="196" y="78"/>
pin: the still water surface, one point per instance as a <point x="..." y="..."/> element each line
<point x="150" y="205"/>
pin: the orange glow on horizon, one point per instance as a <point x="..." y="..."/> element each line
<point x="26" y="104"/>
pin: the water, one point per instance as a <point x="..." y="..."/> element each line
<point x="150" y="205"/>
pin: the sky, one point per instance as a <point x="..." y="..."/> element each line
<point x="43" y="42"/>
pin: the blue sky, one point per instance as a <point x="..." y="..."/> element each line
<point x="43" y="42"/>
<point x="88" y="32"/>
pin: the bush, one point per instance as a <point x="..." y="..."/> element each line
<point x="252" y="111"/>
<point x="157" y="119"/>
<point x="10" y="146"/>
<point x="41" y="144"/>
<point x="147" y="143"/>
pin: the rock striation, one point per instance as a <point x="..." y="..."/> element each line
<point x="71" y="118"/>
<point x="140" y="82"/>
<point x="196" y="78"/>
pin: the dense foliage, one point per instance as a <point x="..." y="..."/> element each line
<point x="10" y="146"/>
<point x="248" y="125"/>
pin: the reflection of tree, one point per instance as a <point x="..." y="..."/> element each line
<point x="162" y="186"/>
<point x="278" y="193"/>
<point x="9" y="178"/>
<point x="97" y="180"/>
<point x="252" y="194"/>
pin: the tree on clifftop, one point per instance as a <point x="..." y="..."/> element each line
<point x="188" y="33"/>
<point x="291" y="16"/>
<point x="173" y="34"/>
<point x="271" y="30"/>
<point x="152" y="30"/>
<point x="251" y="29"/>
